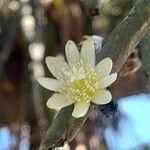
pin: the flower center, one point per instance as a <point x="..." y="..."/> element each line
<point x="81" y="82"/>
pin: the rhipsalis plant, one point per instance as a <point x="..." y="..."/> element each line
<point x="118" y="46"/>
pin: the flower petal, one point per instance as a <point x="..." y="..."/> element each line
<point x="108" y="80"/>
<point x="56" y="65"/>
<point x="103" y="97"/>
<point x="80" y="109"/>
<point x="58" y="101"/>
<point x="88" y="52"/>
<point x="104" y="66"/>
<point x="49" y="83"/>
<point x="72" y="52"/>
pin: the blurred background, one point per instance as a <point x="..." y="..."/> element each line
<point x="30" y="30"/>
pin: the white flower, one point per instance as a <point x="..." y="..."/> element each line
<point x="79" y="81"/>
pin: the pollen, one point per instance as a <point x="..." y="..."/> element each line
<point x="81" y="82"/>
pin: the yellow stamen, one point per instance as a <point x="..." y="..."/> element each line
<point x="81" y="82"/>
